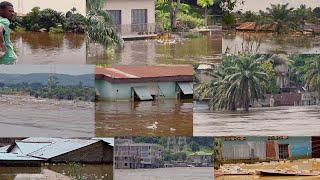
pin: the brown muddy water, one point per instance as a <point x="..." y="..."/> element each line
<point x="153" y="52"/>
<point x="45" y="48"/>
<point x="271" y="121"/>
<point x="132" y="119"/>
<point x="303" y="165"/>
<point x="176" y="173"/>
<point x="84" y="171"/>
<point x="271" y="43"/>
<point x="24" y="116"/>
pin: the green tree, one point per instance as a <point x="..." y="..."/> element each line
<point x="316" y="11"/>
<point x="205" y="4"/>
<point x="303" y="14"/>
<point x="99" y="26"/>
<point x="194" y="146"/>
<point x="280" y="18"/>
<point x="312" y="77"/>
<point x="217" y="158"/>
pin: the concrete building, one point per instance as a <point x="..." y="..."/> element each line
<point x="130" y="155"/>
<point x="118" y="83"/>
<point x="251" y="149"/>
<point x="133" y="18"/>
<point x="201" y="159"/>
<point x="56" y="150"/>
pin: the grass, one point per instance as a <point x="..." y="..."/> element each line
<point x="191" y="35"/>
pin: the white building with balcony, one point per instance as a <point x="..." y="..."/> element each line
<point x="133" y="18"/>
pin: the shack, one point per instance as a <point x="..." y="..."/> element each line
<point x="255" y="149"/>
<point x="118" y="83"/>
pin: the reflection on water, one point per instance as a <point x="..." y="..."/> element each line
<point x="176" y="173"/>
<point x="303" y="164"/>
<point x="24" y="116"/>
<point x="132" y="119"/>
<point x="273" y="121"/>
<point x="85" y="171"/>
<point x="45" y="48"/>
<point x="152" y="52"/>
<point x="271" y="43"/>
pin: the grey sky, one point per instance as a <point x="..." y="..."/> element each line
<point x="75" y="69"/>
<point x="256" y="5"/>
<point x="25" y="6"/>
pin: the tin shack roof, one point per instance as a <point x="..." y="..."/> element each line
<point x="132" y="74"/>
<point x="17" y="157"/>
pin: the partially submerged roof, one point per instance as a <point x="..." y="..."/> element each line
<point x="247" y="26"/>
<point x="128" y="74"/>
<point x="17" y="157"/>
<point x="4" y="149"/>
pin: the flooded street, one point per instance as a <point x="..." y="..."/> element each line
<point x="132" y="119"/>
<point x="300" y="165"/>
<point x="275" y="121"/>
<point x="30" y="116"/>
<point x="176" y="173"/>
<point x="271" y="43"/>
<point x="58" y="172"/>
<point x="153" y="52"/>
<point x="45" y="48"/>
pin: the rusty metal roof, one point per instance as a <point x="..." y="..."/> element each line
<point x="145" y="71"/>
<point x="247" y="26"/>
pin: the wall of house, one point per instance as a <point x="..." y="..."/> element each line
<point x="240" y="149"/>
<point x="127" y="5"/>
<point x="113" y="92"/>
<point x="90" y="154"/>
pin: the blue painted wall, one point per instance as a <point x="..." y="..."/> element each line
<point x="114" y="92"/>
<point x="300" y="146"/>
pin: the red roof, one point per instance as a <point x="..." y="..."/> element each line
<point x="247" y="26"/>
<point x="144" y="71"/>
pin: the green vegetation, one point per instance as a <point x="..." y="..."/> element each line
<point x="55" y="30"/>
<point x="205" y="4"/>
<point x="48" y="19"/>
<point x="217" y="153"/>
<point x="51" y="90"/>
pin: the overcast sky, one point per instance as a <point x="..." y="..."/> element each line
<point x="74" y="69"/>
<point x="256" y="5"/>
<point x="25" y="6"/>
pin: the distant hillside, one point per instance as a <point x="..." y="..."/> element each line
<point x="64" y="79"/>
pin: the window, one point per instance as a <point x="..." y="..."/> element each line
<point x="283" y="151"/>
<point x="139" y="16"/>
<point x="116" y="16"/>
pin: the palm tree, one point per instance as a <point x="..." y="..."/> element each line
<point x="302" y="14"/>
<point x="280" y="18"/>
<point x="205" y="4"/>
<point x="99" y="26"/>
<point x="236" y="81"/>
<point x="312" y="77"/>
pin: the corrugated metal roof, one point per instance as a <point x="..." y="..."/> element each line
<point x="143" y="93"/>
<point x="4" y="149"/>
<point x="186" y="87"/>
<point x="247" y="26"/>
<point x="57" y="146"/>
<point x="28" y="147"/>
<point x="17" y="157"/>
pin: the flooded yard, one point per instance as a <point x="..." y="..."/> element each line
<point x="296" y="165"/>
<point x="58" y="172"/>
<point x="176" y="173"/>
<point x="173" y="117"/>
<point x="271" y="43"/>
<point x="45" y="48"/>
<point x="153" y="52"/>
<point x="30" y="116"/>
<point x="272" y="121"/>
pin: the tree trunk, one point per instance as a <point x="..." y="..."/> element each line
<point x="173" y="14"/>
<point x="246" y="99"/>
<point x="206" y="16"/>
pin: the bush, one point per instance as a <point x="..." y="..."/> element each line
<point x="19" y="29"/>
<point x="35" y="28"/>
<point x="191" y="35"/>
<point x="188" y="22"/>
<point x="54" y="30"/>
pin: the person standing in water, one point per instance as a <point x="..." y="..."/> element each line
<point x="7" y="55"/>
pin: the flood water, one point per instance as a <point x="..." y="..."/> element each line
<point x="24" y="116"/>
<point x="176" y="173"/>
<point x="303" y="164"/>
<point x="57" y="172"/>
<point x="132" y="119"/>
<point x="45" y="48"/>
<point x="271" y="121"/>
<point x="153" y="52"/>
<point x="271" y="43"/>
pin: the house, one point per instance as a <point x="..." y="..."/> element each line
<point x="56" y="150"/>
<point x="253" y="26"/>
<point x="133" y="18"/>
<point x="252" y="149"/>
<point x="130" y="155"/>
<point x="144" y="82"/>
<point x="201" y="159"/>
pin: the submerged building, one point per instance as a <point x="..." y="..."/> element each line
<point x="118" y="83"/>
<point x="251" y="149"/>
<point x="130" y="155"/>
<point x="34" y="151"/>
